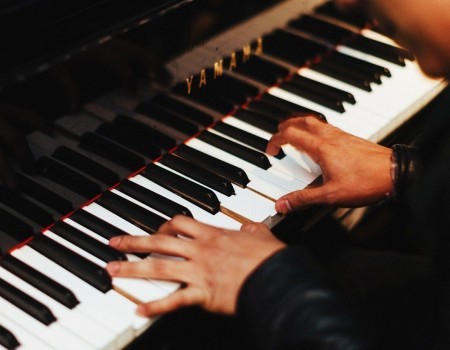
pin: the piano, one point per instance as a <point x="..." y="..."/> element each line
<point x="126" y="160"/>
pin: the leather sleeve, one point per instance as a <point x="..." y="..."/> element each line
<point x="287" y="303"/>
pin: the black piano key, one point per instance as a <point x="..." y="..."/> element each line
<point x="37" y="279"/>
<point x="132" y="126"/>
<point x="137" y="215"/>
<point x="26" y="303"/>
<point x="86" y="165"/>
<point x="290" y="108"/>
<point x="87" y="243"/>
<point x="111" y="151"/>
<point x="263" y="71"/>
<point x="153" y="199"/>
<point x="235" y="87"/>
<point x="342" y="76"/>
<point x="133" y="141"/>
<point x="356" y="62"/>
<point x="324" y="89"/>
<point x="198" y="173"/>
<point x="89" y="272"/>
<point x="382" y="50"/>
<point x="313" y="25"/>
<point x="292" y="48"/>
<point x="44" y="195"/>
<point x="254" y="157"/>
<point x="313" y="96"/>
<point x="215" y="102"/>
<point x="97" y="225"/>
<point x="245" y="137"/>
<point x="27" y="208"/>
<point x="164" y="116"/>
<point x="183" y="109"/>
<point x="7" y="339"/>
<point x="67" y="177"/>
<point x="352" y="71"/>
<point x="15" y="227"/>
<point x="257" y="119"/>
<point x="200" y="196"/>
<point x="357" y="18"/>
<point x="229" y="171"/>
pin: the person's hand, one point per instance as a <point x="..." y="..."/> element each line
<point x="215" y="265"/>
<point x="355" y="172"/>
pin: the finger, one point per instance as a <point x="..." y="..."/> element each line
<point x="188" y="227"/>
<point x="254" y="227"/>
<point x="300" y="139"/>
<point x="308" y="122"/>
<point x="163" y="244"/>
<point x="159" y="268"/>
<point x="184" y="297"/>
<point x="301" y="199"/>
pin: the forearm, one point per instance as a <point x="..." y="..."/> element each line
<point x="287" y="303"/>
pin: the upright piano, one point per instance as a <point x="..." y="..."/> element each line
<point x="162" y="108"/>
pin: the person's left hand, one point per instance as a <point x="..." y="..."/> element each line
<point x="215" y="265"/>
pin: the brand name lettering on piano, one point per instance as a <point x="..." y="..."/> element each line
<point x="229" y="63"/>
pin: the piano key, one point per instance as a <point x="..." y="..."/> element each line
<point x="56" y="335"/>
<point x="255" y="118"/>
<point x="164" y="116"/>
<point x="219" y="219"/>
<point x="375" y="69"/>
<point x="28" y="341"/>
<point x="134" y="141"/>
<point x="7" y="339"/>
<point x="244" y="205"/>
<point x="86" y="165"/>
<point x="79" y="266"/>
<point x="229" y="171"/>
<point x="195" y="172"/>
<point x="270" y="183"/>
<point x="213" y="101"/>
<point x="153" y="199"/>
<point x="196" y="194"/>
<point x="295" y="162"/>
<point x="256" y="158"/>
<point x="177" y="106"/>
<point x="107" y="308"/>
<point x="13" y="226"/>
<point x="50" y="287"/>
<point x="67" y="177"/>
<point x="245" y="137"/>
<point x="72" y="320"/>
<point x="32" y="188"/>
<point x="356" y="18"/>
<point x="26" y="207"/>
<point x="87" y="243"/>
<point x="111" y="151"/>
<point x="24" y="302"/>
<point x="147" y="221"/>
<point x="93" y="223"/>
<point x="263" y="71"/>
<point x="138" y="290"/>
<point x="340" y="74"/>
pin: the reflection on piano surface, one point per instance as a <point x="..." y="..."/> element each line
<point x="127" y="161"/>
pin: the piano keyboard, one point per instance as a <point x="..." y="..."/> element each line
<point x="129" y="163"/>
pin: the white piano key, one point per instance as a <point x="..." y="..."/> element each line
<point x="138" y="289"/>
<point x="277" y="183"/>
<point x="219" y="219"/>
<point x="247" y="204"/>
<point x="27" y="340"/>
<point x="81" y="326"/>
<point x="99" y="306"/>
<point x="54" y="334"/>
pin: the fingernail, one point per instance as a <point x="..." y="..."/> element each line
<point x="283" y="206"/>
<point x="115" y="241"/>
<point x="140" y="311"/>
<point x="112" y="267"/>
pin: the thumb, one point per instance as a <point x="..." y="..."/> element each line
<point x="300" y="199"/>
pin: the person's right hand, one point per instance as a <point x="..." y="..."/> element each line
<point x="355" y="172"/>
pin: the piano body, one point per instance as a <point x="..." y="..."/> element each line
<point x="124" y="160"/>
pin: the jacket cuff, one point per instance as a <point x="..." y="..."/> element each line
<point x="405" y="164"/>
